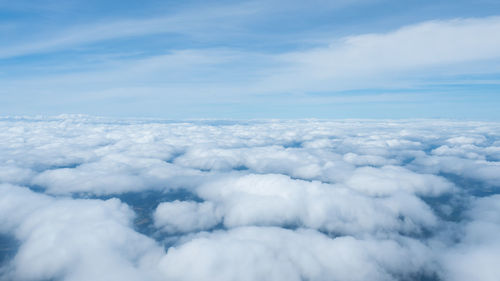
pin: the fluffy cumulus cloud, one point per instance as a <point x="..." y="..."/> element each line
<point x="86" y="198"/>
<point x="186" y="216"/>
<point x="475" y="255"/>
<point x="73" y="239"/>
<point x="269" y="253"/>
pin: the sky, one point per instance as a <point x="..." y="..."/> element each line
<point x="251" y="59"/>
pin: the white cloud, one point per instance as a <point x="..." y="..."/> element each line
<point x="474" y="256"/>
<point x="408" y="57"/>
<point x="391" y="179"/>
<point x="114" y="174"/>
<point x="281" y="201"/>
<point x="254" y="200"/>
<point x="487" y="172"/>
<point x="186" y="216"/>
<point x="278" y="254"/>
<point x="188" y="22"/>
<point x="74" y="239"/>
<point x="450" y="45"/>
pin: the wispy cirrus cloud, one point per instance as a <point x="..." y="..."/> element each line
<point x="422" y="56"/>
<point x="191" y="23"/>
<point x="410" y="54"/>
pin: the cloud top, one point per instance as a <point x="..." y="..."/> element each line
<point x="93" y="198"/>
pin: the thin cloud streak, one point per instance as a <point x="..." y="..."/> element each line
<point x="189" y="23"/>
<point x="362" y="61"/>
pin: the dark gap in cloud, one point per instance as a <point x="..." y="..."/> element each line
<point x="42" y="168"/>
<point x="8" y="248"/>
<point x="37" y="188"/>
<point x="293" y="144"/>
<point x="106" y="143"/>
<point x="492" y="158"/>
<point x="293" y="177"/>
<point x="448" y="207"/>
<point x="331" y="234"/>
<point x="405" y="161"/>
<point x="174" y="156"/>
<point x="489" y="140"/>
<point x="429" y="147"/>
<point x="241" y="168"/>
<point x="422" y="233"/>
<point x="471" y="186"/>
<point x="144" y="203"/>
<point x="419" y="276"/>
<point x="312" y="179"/>
<point x="369" y="165"/>
<point x="66" y="166"/>
<point x="205" y="170"/>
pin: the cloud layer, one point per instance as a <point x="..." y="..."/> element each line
<point x="87" y="198"/>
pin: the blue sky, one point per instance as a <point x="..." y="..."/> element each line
<point x="251" y="59"/>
